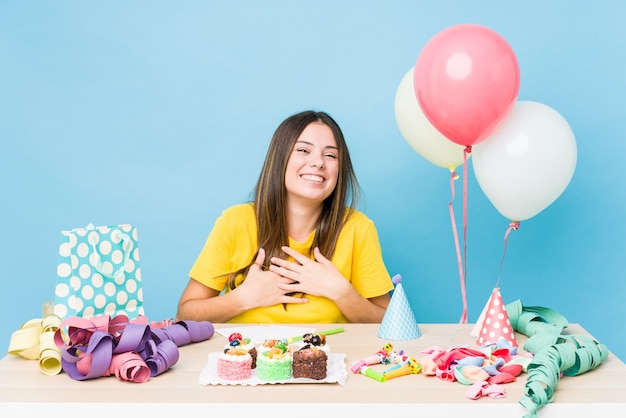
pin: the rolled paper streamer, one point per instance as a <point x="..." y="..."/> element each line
<point x="129" y="367"/>
<point x="133" y="338"/>
<point x="35" y="341"/>
<point x="49" y="355"/>
<point x="198" y="330"/>
<point x="163" y="356"/>
<point x="89" y="361"/>
<point x="50" y="323"/>
<point x="411" y="366"/>
<point x="178" y="334"/>
<point x="50" y="362"/>
<point x="328" y="332"/>
<point x="25" y="341"/>
<point x="369" y="372"/>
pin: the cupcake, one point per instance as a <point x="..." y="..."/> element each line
<point x="274" y="361"/>
<point x="236" y="340"/>
<point x="234" y="364"/>
<point x="310" y="361"/>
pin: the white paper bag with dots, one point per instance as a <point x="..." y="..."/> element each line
<point x="98" y="273"/>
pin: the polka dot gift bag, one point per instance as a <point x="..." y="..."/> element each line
<point x="98" y="273"/>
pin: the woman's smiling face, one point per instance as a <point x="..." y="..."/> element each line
<point x="313" y="165"/>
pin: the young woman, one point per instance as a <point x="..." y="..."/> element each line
<point x="300" y="252"/>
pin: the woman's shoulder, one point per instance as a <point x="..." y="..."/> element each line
<point x="239" y="211"/>
<point x="358" y="218"/>
<point x="359" y="226"/>
<point x="237" y="218"/>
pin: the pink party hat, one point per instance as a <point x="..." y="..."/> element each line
<point x="399" y="322"/>
<point x="494" y="323"/>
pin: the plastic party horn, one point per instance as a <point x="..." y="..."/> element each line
<point x="328" y="332"/>
<point x="410" y="366"/>
<point x="397" y="356"/>
<point x="369" y="372"/>
<point x="380" y="357"/>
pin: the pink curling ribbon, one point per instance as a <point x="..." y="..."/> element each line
<point x="129" y="367"/>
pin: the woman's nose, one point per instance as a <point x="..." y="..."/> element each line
<point x="317" y="162"/>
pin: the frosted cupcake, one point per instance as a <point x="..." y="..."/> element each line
<point x="274" y="361"/>
<point x="310" y="361"/>
<point x="234" y="364"/>
<point x="236" y="340"/>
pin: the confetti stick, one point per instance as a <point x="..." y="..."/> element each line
<point x="329" y="332"/>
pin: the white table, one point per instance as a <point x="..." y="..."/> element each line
<point x="26" y="391"/>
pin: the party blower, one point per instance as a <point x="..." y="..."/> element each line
<point x="407" y="366"/>
<point x="380" y="357"/>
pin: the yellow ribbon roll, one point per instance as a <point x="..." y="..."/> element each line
<point x="35" y="341"/>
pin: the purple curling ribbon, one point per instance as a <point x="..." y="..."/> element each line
<point x="133" y="338"/>
<point x="99" y="351"/>
<point x="198" y="331"/>
<point x="162" y="357"/>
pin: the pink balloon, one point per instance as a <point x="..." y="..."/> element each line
<point x="466" y="81"/>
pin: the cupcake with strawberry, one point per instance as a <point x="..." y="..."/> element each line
<point x="236" y="340"/>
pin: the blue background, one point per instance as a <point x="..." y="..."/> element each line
<point x="158" y="113"/>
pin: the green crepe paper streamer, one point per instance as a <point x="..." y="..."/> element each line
<point x="554" y="354"/>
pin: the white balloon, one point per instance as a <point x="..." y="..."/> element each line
<point x="419" y="133"/>
<point x="527" y="163"/>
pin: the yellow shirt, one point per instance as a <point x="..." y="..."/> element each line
<point x="232" y="243"/>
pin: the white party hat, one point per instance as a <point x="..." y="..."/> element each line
<point x="399" y="322"/>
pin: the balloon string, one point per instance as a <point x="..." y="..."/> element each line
<point x="466" y="152"/>
<point x="453" y="177"/>
<point x="512" y="226"/>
